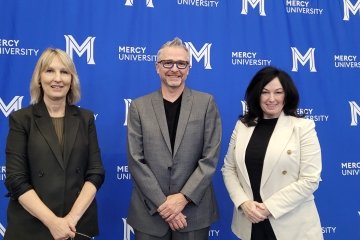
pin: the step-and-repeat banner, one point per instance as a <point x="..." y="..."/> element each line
<point x="114" y="44"/>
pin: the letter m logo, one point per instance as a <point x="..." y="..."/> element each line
<point x="127" y="105"/>
<point x="349" y="7"/>
<point x="14" y="105"/>
<point x="198" y="55"/>
<point x="253" y="3"/>
<point x="355" y="113"/>
<point x="128" y="230"/>
<point x="2" y="230"/>
<point x="149" y="3"/>
<point x="87" y="46"/>
<point x="297" y="56"/>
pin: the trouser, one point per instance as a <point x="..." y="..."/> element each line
<point x="201" y="234"/>
<point x="262" y="231"/>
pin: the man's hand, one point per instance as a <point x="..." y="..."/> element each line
<point x="178" y="222"/>
<point x="173" y="205"/>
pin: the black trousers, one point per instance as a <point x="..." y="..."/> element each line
<point x="201" y="234"/>
<point x="262" y="231"/>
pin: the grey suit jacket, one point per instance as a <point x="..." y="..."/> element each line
<point x="34" y="160"/>
<point x="157" y="172"/>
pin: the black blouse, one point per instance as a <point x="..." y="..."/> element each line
<point x="254" y="160"/>
<point x="255" y="153"/>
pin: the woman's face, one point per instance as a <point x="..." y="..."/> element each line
<point x="272" y="99"/>
<point x="55" y="81"/>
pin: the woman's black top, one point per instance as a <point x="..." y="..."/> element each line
<point x="254" y="160"/>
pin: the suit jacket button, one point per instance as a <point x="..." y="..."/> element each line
<point x="284" y="172"/>
<point x="77" y="170"/>
<point x="289" y="152"/>
<point x="169" y="168"/>
<point x="40" y="173"/>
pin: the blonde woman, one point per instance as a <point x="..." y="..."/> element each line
<point x="53" y="161"/>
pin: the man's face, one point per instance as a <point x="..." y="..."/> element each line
<point x="173" y="67"/>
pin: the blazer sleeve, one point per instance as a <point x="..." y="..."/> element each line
<point x="201" y="178"/>
<point x="142" y="175"/>
<point x="95" y="172"/>
<point x="229" y="172"/>
<point x="291" y="196"/>
<point x="17" y="170"/>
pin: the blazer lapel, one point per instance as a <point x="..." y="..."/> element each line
<point x="282" y="132"/>
<point x="46" y="128"/>
<point x="158" y="105"/>
<point x="240" y="150"/>
<point x="71" y="126"/>
<point x="186" y="105"/>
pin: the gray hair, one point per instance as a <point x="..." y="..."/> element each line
<point x="176" y="42"/>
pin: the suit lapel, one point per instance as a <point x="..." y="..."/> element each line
<point x="71" y="126"/>
<point x="185" y="110"/>
<point x="158" y="105"/>
<point x="278" y="141"/>
<point x="241" y="146"/>
<point x="46" y="128"/>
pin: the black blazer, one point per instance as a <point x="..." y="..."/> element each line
<point x="35" y="160"/>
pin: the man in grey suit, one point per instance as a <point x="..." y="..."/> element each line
<point x="174" y="137"/>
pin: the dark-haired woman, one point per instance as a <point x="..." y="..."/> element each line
<point x="273" y="164"/>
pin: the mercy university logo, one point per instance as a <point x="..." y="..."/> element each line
<point x="149" y="3"/>
<point x="14" y="105"/>
<point x="127" y="102"/>
<point x="244" y="107"/>
<point x="355" y="113"/>
<point x="349" y="7"/>
<point x="87" y="46"/>
<point x="253" y="3"/>
<point x="204" y="52"/>
<point x="2" y="230"/>
<point x="128" y="230"/>
<point x="303" y="59"/>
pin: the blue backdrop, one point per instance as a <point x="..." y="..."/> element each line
<point x="114" y="44"/>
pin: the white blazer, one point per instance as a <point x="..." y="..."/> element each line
<point x="291" y="174"/>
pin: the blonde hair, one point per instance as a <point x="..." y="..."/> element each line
<point x="36" y="91"/>
<point x="176" y="42"/>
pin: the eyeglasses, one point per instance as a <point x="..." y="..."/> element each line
<point x="84" y="235"/>
<point x="169" y="64"/>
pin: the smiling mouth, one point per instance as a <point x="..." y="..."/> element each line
<point x="271" y="106"/>
<point x="174" y="76"/>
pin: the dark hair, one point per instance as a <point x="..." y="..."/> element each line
<point x="256" y="85"/>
